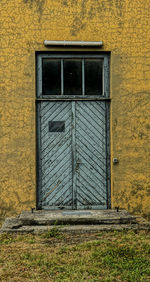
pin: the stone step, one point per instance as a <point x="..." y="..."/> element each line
<point x="76" y="217"/>
<point x="72" y="229"/>
<point x="30" y="221"/>
<point x="42" y="217"/>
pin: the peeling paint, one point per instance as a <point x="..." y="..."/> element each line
<point x="39" y="4"/>
<point x="51" y="190"/>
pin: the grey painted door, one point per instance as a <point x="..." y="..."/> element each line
<point x="56" y="155"/>
<point x="73" y="165"/>
<point x="91" y="155"/>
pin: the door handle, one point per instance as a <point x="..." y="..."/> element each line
<point x="77" y="165"/>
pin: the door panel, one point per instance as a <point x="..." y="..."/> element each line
<point x="73" y="171"/>
<point x="91" y="155"/>
<point x="56" y="155"/>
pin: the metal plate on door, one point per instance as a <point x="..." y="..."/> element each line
<point x="76" y="213"/>
<point x="56" y="126"/>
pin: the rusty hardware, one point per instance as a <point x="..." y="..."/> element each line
<point x="32" y="210"/>
<point x="117" y="209"/>
<point x="115" y="160"/>
<point x="77" y="165"/>
<point x="61" y="207"/>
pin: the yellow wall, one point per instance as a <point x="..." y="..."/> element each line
<point x="123" y="26"/>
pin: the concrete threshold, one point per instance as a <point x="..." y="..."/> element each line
<point x="73" y="221"/>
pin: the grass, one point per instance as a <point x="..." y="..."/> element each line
<point x="53" y="233"/>
<point x="107" y="256"/>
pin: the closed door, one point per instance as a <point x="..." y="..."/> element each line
<point x="72" y="155"/>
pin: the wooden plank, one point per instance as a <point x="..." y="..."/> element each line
<point x="74" y="160"/>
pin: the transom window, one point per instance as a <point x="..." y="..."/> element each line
<point x="72" y="75"/>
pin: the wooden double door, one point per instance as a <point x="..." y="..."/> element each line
<point x="73" y="166"/>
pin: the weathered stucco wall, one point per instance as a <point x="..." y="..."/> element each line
<point x="123" y="26"/>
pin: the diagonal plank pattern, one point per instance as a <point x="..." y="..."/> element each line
<point x="91" y="154"/>
<point x="86" y="125"/>
<point x="56" y="156"/>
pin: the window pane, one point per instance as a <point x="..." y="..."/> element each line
<point x="93" y="77"/>
<point x="51" y="77"/>
<point x="72" y="77"/>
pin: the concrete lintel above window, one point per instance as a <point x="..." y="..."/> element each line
<point x="73" y="43"/>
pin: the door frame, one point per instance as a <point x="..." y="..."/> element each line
<point x="39" y="98"/>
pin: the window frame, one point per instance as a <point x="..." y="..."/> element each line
<point x="82" y="56"/>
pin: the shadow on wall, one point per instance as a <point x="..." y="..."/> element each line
<point x="38" y="3"/>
